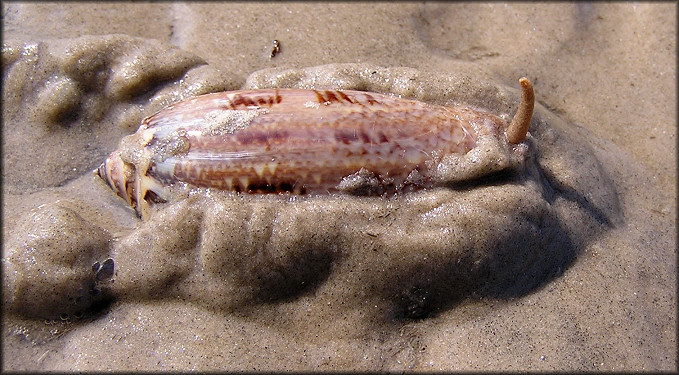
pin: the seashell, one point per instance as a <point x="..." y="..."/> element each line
<point x="299" y="141"/>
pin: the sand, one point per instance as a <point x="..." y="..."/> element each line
<point x="564" y="262"/>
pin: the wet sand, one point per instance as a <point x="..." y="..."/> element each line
<point x="567" y="264"/>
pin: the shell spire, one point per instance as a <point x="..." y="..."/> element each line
<point x="120" y="177"/>
<point x="124" y="179"/>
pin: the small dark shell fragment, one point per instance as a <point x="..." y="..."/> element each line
<point x="105" y="272"/>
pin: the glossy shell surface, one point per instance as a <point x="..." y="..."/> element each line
<point x="293" y="140"/>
